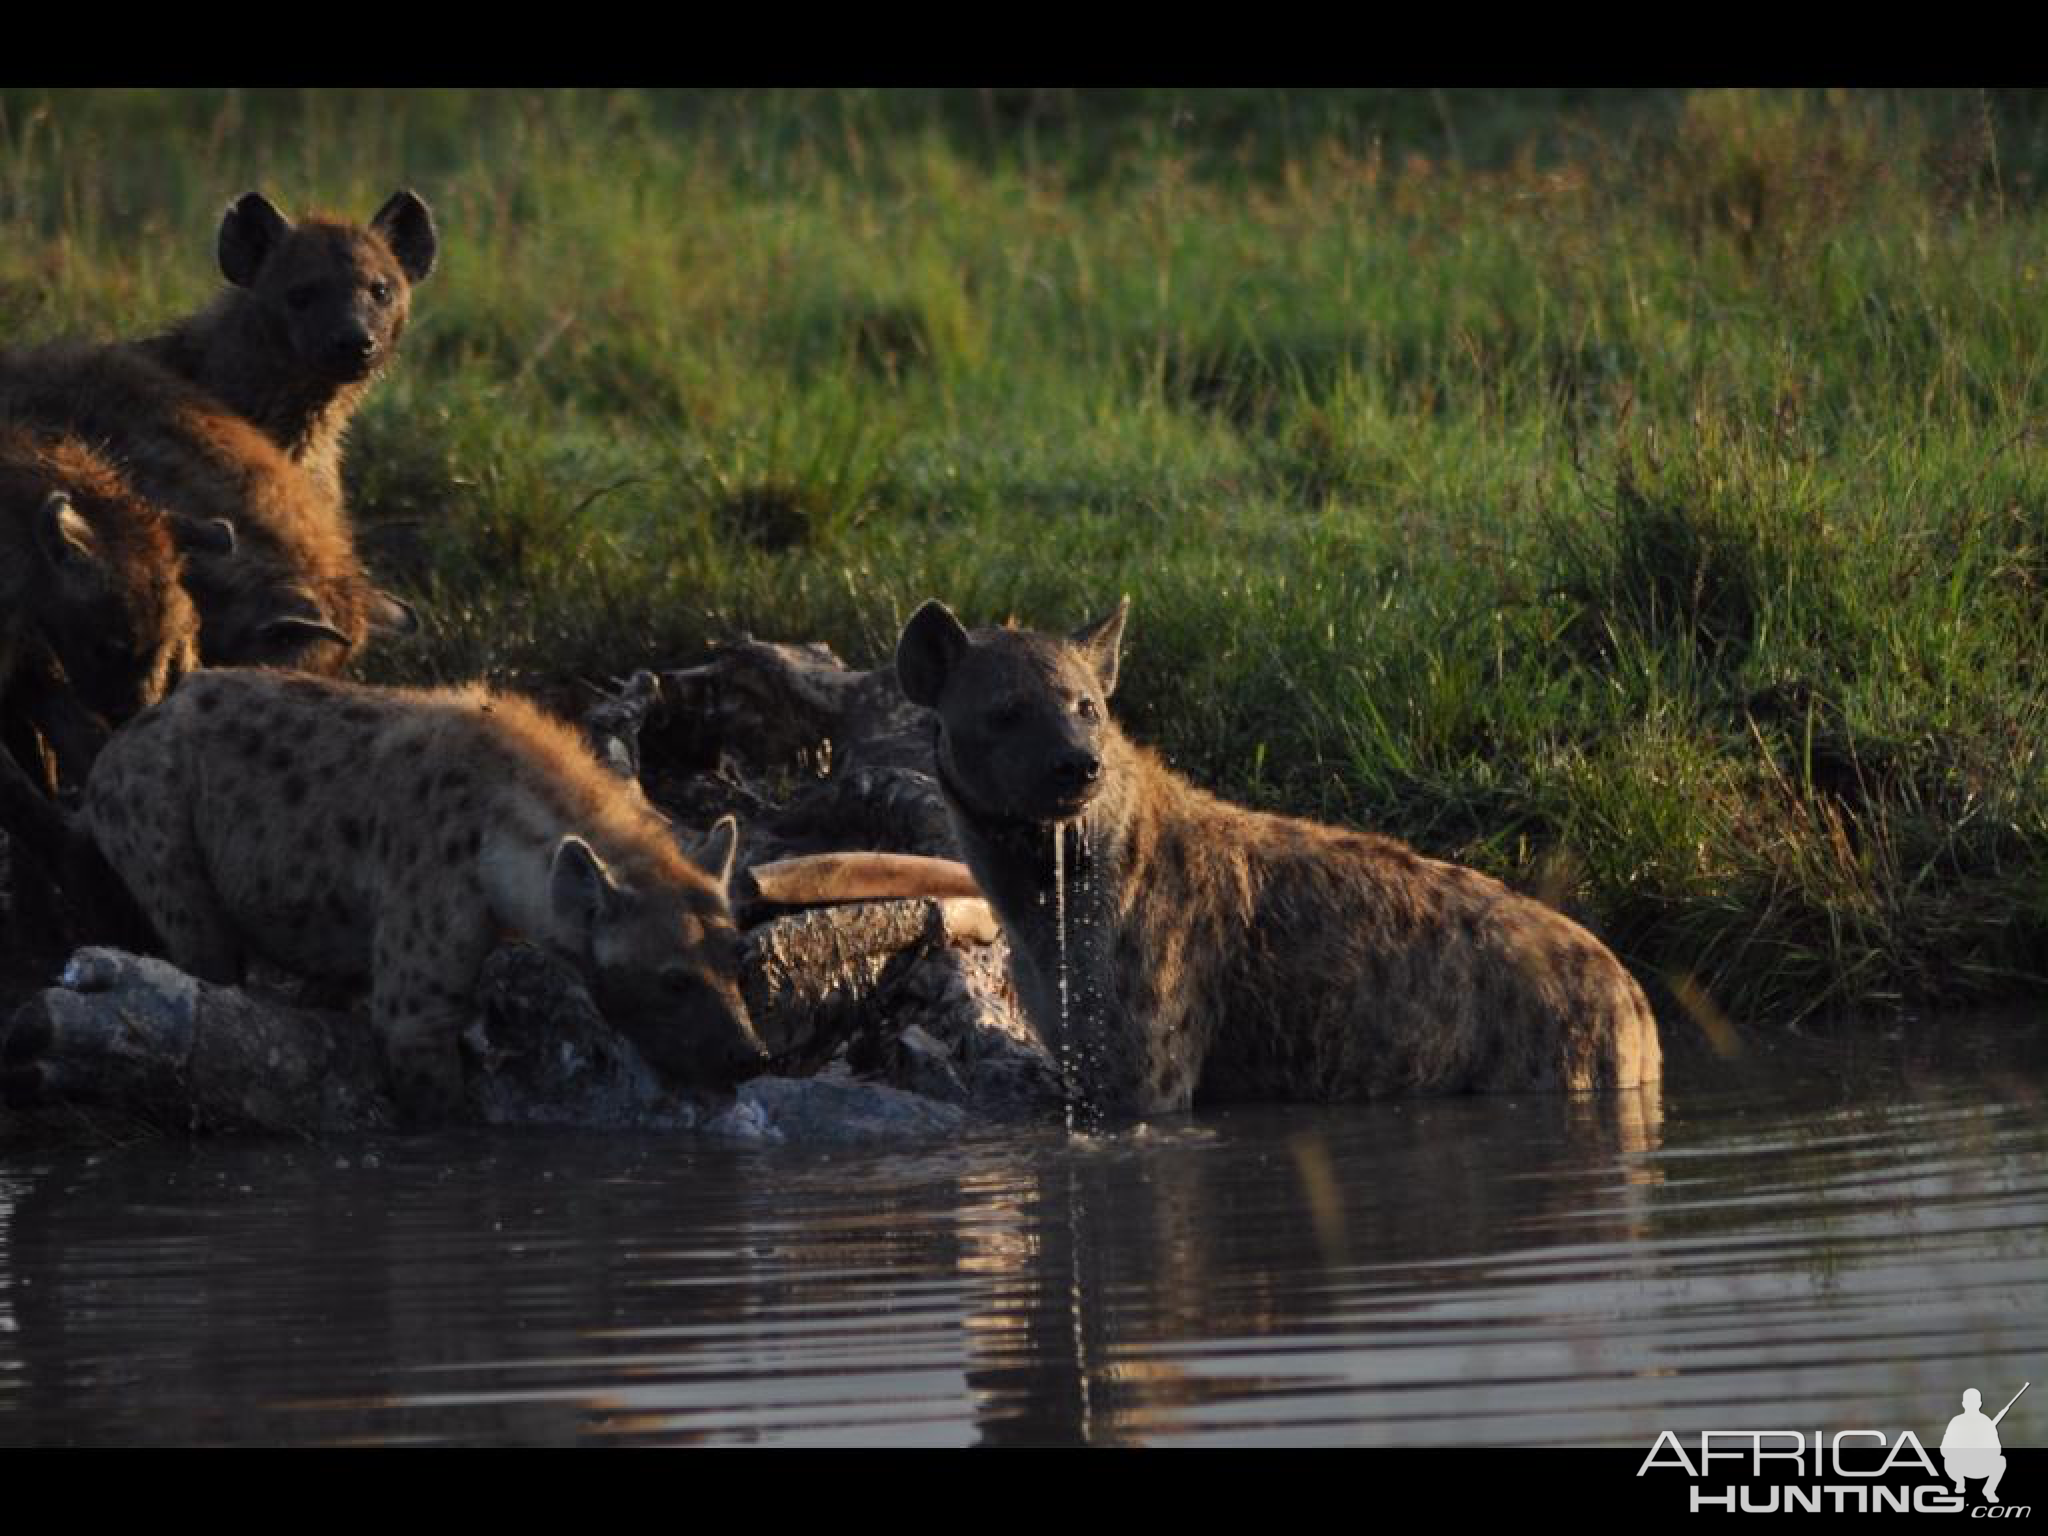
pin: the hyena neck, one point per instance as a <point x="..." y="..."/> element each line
<point x="525" y="828"/>
<point x="230" y="351"/>
<point x="513" y="866"/>
<point x="1017" y="865"/>
<point x="1032" y="888"/>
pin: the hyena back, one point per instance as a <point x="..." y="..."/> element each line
<point x="287" y="588"/>
<point x="348" y="831"/>
<point x="1214" y="952"/>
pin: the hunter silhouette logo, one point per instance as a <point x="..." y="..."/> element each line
<point x="1970" y="1446"/>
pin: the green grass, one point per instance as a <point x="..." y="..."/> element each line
<point x="1640" y="496"/>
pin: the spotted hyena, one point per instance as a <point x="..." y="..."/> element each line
<point x="93" y="618"/>
<point x="1215" y="952"/>
<point x="94" y="626"/>
<point x="239" y="412"/>
<point x="348" y="831"/>
<point x="311" y="314"/>
<point x="290" y="589"/>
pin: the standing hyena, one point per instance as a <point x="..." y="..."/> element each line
<point x="1219" y="953"/>
<point x="311" y="313"/>
<point x="344" y="831"/>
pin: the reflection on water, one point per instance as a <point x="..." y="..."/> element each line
<point x="1835" y="1236"/>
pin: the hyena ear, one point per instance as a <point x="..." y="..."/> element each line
<point x="64" y="537"/>
<point x="717" y="850"/>
<point x="407" y="225"/>
<point x="203" y="535"/>
<point x="392" y="615"/>
<point x="252" y="229"/>
<point x="1103" y="642"/>
<point x="580" y="889"/>
<point x="930" y="648"/>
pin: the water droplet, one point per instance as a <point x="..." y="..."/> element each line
<point x="1059" y="902"/>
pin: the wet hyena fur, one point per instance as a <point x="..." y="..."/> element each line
<point x="346" y="831"/>
<point x="312" y="313"/>
<point x="290" y="590"/>
<point x="1218" y="953"/>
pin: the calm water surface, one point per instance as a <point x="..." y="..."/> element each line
<point x="1831" y="1234"/>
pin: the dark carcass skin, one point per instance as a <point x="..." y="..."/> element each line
<point x="883" y="1017"/>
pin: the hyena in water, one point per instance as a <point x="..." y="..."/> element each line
<point x="1215" y="952"/>
<point x="312" y="312"/>
<point x="348" y="831"/>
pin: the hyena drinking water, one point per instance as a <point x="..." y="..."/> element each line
<point x="348" y="831"/>
<point x="1214" y="952"/>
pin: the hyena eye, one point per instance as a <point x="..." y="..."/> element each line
<point x="302" y="296"/>
<point x="381" y="291"/>
<point x="1087" y="708"/>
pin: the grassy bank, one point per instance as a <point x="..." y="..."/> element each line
<point x="1640" y="497"/>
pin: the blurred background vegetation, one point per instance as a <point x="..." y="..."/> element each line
<point x="1638" y="494"/>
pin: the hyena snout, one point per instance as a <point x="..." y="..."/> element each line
<point x="708" y="1037"/>
<point x="345" y="347"/>
<point x="353" y="350"/>
<point x="723" y="1042"/>
<point x="1068" y="776"/>
<point x="1077" y="770"/>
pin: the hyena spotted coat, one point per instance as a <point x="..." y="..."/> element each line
<point x="1217" y="953"/>
<point x="348" y="831"/>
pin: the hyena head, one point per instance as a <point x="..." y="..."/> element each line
<point x="107" y="600"/>
<point x="262" y="606"/>
<point x="336" y="295"/>
<point x="1022" y="715"/>
<point x="663" y="957"/>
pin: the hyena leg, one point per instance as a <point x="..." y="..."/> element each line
<point x="32" y="825"/>
<point x="22" y="740"/>
<point x="72" y="734"/>
<point x="422" y="997"/>
<point x="199" y="937"/>
<point x="152" y="849"/>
